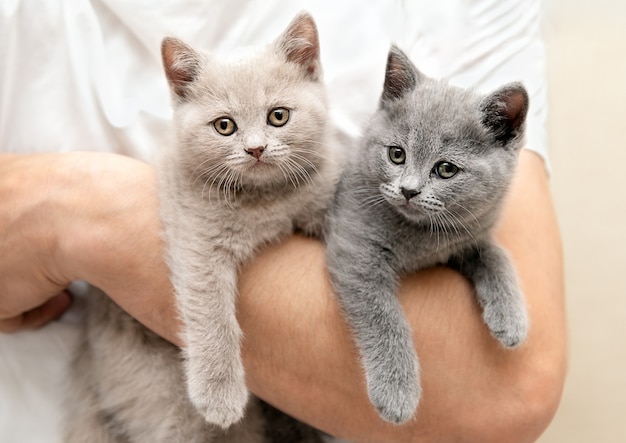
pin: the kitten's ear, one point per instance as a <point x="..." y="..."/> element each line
<point x="299" y="43"/>
<point x="181" y="64"/>
<point x="401" y="76"/>
<point x="504" y="111"/>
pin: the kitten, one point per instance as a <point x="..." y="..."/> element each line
<point x="255" y="159"/>
<point x="424" y="189"/>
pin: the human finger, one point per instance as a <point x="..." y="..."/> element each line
<point x="35" y="318"/>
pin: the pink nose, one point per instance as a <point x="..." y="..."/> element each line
<point x="256" y="152"/>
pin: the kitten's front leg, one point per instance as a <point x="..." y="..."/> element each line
<point x="215" y="374"/>
<point x="366" y="286"/>
<point x="498" y="292"/>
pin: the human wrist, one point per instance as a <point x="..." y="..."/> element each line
<point x="44" y="217"/>
<point x="74" y="228"/>
<point x="114" y="240"/>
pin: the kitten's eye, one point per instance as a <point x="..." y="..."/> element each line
<point x="225" y="126"/>
<point x="446" y="170"/>
<point x="397" y="155"/>
<point x="278" y="117"/>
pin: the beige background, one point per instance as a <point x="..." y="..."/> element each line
<point x="586" y="46"/>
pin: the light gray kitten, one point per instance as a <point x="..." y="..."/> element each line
<point x="425" y="188"/>
<point x="255" y="159"/>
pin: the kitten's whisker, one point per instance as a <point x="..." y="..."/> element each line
<point x="297" y="168"/>
<point x="305" y="160"/>
<point x="206" y="182"/>
<point x="437" y="228"/>
<point x="230" y="180"/>
<point x="311" y="152"/>
<point x="365" y="191"/>
<point x="215" y="168"/>
<point x="373" y="201"/>
<point x="445" y="228"/>
<point x="299" y="171"/>
<point x="367" y="196"/>
<point x="464" y="226"/>
<point x="470" y="213"/>
<point x="236" y="183"/>
<point x="225" y="184"/>
<point x="218" y="175"/>
<point x="206" y="174"/>
<point x="288" y="175"/>
<point x="197" y="176"/>
<point x="220" y="183"/>
<point x="450" y="222"/>
<point x="432" y="226"/>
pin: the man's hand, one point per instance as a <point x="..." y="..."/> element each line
<point x="31" y="284"/>
<point x="80" y="216"/>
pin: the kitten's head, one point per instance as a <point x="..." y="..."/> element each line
<point x="442" y="154"/>
<point x="254" y="121"/>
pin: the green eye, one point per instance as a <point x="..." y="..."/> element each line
<point x="446" y="170"/>
<point x="397" y="155"/>
<point x="278" y="117"/>
<point x="225" y="126"/>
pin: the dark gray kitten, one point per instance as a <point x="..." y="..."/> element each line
<point x="424" y="189"/>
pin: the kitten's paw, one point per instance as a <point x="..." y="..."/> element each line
<point x="508" y="324"/>
<point x="218" y="389"/>
<point x="395" y="396"/>
<point x="222" y="402"/>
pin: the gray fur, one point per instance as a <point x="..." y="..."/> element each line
<point x="222" y="198"/>
<point x="390" y="219"/>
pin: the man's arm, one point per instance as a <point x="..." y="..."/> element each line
<point x="95" y="217"/>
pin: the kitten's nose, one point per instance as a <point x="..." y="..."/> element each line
<point x="409" y="193"/>
<point x="256" y="152"/>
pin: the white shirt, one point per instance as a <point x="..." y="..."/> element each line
<point x="87" y="75"/>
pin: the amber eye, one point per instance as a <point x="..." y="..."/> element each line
<point x="225" y="126"/>
<point x="446" y="170"/>
<point x="278" y="117"/>
<point x="397" y="155"/>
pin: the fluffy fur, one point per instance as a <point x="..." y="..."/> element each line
<point x="424" y="189"/>
<point x="254" y="160"/>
